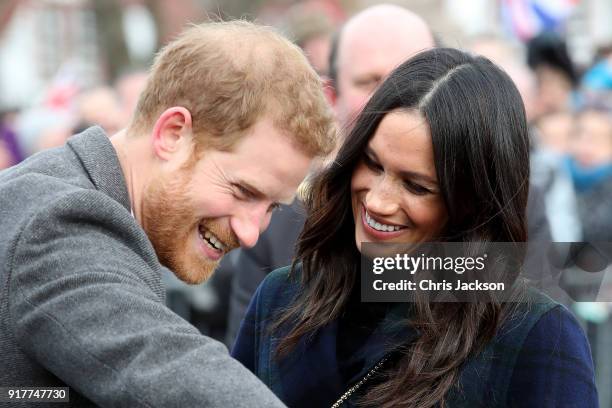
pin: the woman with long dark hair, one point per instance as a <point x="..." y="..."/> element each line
<point x="439" y="153"/>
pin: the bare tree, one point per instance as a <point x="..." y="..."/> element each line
<point x="7" y="9"/>
<point x="111" y="37"/>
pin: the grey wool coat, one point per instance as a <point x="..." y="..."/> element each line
<point x="81" y="299"/>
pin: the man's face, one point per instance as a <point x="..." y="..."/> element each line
<point x="365" y="59"/>
<point x="195" y="215"/>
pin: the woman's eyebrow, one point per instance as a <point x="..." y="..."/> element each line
<point x="368" y="151"/>
<point x="407" y="175"/>
<point x="412" y="175"/>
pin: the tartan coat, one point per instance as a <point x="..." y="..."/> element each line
<point x="539" y="357"/>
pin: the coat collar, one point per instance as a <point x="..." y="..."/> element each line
<point x="99" y="158"/>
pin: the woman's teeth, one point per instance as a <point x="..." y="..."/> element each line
<point x="380" y="227"/>
<point x="212" y="241"/>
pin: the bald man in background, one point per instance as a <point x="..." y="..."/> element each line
<point x="365" y="50"/>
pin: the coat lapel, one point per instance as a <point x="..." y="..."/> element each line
<point x="99" y="158"/>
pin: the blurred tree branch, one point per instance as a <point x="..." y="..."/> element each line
<point x="111" y="38"/>
<point x="7" y="8"/>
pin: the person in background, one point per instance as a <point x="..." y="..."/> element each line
<point x="99" y="106"/>
<point x="510" y="56"/>
<point x="6" y="159"/>
<point x="368" y="47"/>
<point x="10" y="151"/>
<point x="551" y="135"/>
<point x="311" y="29"/>
<point x="42" y="127"/>
<point x="598" y="78"/>
<point x="417" y="168"/>
<point x="552" y="200"/>
<point x="556" y="75"/>
<point x="554" y="131"/>
<point x="590" y="167"/>
<point x="365" y="50"/>
<point x="128" y="88"/>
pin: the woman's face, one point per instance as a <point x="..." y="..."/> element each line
<point x="394" y="188"/>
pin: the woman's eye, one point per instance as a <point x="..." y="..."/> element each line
<point x="371" y="164"/>
<point x="417" y="188"/>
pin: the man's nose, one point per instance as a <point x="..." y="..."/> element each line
<point x="249" y="225"/>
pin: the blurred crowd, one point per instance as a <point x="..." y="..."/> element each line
<point x="569" y="109"/>
<point x="66" y="110"/>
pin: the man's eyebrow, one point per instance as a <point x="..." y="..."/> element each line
<point x="256" y="193"/>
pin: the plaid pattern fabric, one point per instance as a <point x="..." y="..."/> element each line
<point x="539" y="358"/>
<point x="594" y="212"/>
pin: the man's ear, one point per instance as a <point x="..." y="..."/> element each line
<point x="172" y="130"/>
<point x="329" y="91"/>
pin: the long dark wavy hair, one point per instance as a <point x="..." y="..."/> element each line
<point x="481" y="152"/>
